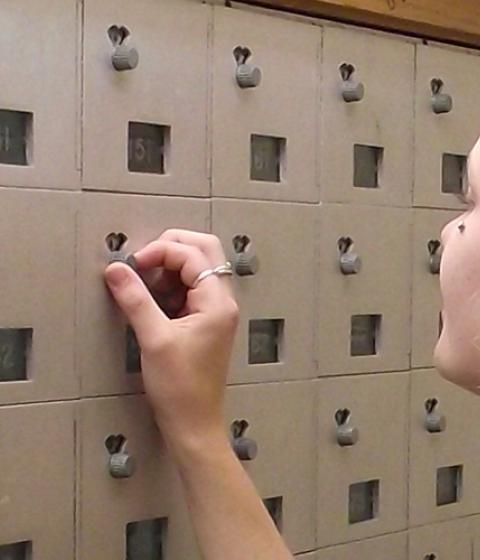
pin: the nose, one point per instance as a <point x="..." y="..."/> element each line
<point x="446" y="231"/>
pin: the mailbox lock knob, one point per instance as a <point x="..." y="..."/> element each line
<point x="440" y="102"/>
<point x="347" y="435"/>
<point x="125" y="58"/>
<point x="115" y="243"/>
<point x="246" y="264"/>
<point x="352" y="91"/>
<point x="435" y="421"/>
<point x="118" y="256"/>
<point x="122" y="465"/>
<point x="435" y="256"/>
<point x="247" y="75"/>
<point x="245" y="448"/>
<point x="350" y="262"/>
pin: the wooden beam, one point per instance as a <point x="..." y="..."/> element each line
<point x="456" y="21"/>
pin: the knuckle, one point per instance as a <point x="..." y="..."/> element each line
<point x="213" y="241"/>
<point x="169" y="233"/>
<point x="228" y="315"/>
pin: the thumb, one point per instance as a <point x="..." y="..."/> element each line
<point x="134" y="299"/>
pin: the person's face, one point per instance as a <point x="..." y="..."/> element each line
<point x="457" y="354"/>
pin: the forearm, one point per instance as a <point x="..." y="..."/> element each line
<point x="229" y="518"/>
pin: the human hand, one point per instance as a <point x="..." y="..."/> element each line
<point x="186" y="346"/>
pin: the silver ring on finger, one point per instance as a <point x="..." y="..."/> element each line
<point x="222" y="270"/>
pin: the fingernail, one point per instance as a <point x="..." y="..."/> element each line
<point x="116" y="276"/>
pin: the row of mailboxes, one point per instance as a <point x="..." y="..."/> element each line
<point x="366" y="456"/>
<point x="333" y="113"/>
<point x="326" y="290"/>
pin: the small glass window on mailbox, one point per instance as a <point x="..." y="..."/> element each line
<point x="148" y="146"/>
<point x="146" y="539"/>
<point x="15" y="137"/>
<point x="15" y="349"/>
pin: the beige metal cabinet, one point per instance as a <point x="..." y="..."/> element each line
<point x="37" y="294"/>
<point x="121" y="516"/>
<point x="393" y="547"/>
<point x="450" y="134"/>
<point x="444" y="446"/>
<point x="426" y="297"/>
<point x="145" y="129"/>
<point x="37" y="463"/>
<point x="39" y="97"/>
<point x="366" y="151"/>
<point x="443" y="540"/>
<point x="102" y="342"/>
<point x="272" y="246"/>
<point x="364" y="317"/>
<point x="264" y="137"/>
<point x="362" y="446"/>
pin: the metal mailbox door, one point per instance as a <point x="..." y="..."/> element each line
<point x="272" y="248"/>
<point x="37" y="291"/>
<point x="37" y="462"/>
<point x="443" y="472"/>
<point x="283" y="474"/>
<point x="426" y="297"/>
<point x="127" y="485"/>
<point x="364" y="289"/>
<point x="367" y="118"/>
<point x="108" y="358"/>
<point x="443" y="140"/>
<point x="265" y="136"/>
<point x="362" y="443"/>
<point x="40" y="94"/>
<point x="145" y="125"/>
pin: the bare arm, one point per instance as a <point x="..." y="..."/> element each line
<point x="185" y="362"/>
<point x="229" y="519"/>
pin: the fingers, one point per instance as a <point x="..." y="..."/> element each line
<point x="150" y="324"/>
<point x="208" y="244"/>
<point x="189" y="261"/>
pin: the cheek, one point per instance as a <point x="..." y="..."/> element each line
<point x="457" y="355"/>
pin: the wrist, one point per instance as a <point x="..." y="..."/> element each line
<point x="192" y="448"/>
